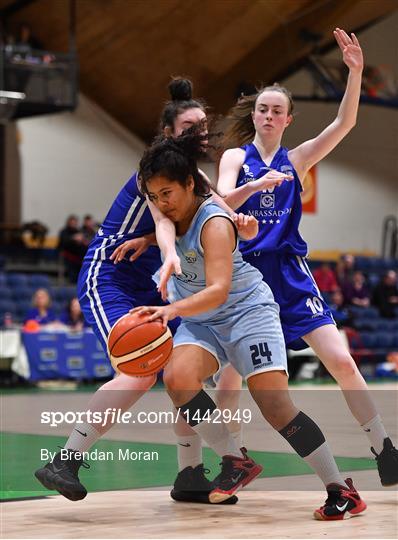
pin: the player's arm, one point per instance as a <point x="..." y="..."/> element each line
<point x="166" y="237"/>
<point x="304" y="156"/>
<point x="230" y="165"/>
<point x="219" y="232"/>
<point x="247" y="225"/>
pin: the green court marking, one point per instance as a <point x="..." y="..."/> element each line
<point x="21" y="456"/>
<point x="159" y="387"/>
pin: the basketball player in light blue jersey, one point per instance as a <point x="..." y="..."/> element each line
<point x="279" y="251"/>
<point x="107" y="291"/>
<point x="228" y="315"/>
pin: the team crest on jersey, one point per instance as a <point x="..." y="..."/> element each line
<point x="287" y="169"/>
<point x="249" y="176"/>
<point x="187" y="277"/>
<point x="191" y="256"/>
<point x="267" y="200"/>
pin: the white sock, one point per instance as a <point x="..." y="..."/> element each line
<point x="375" y="432"/>
<point x="189" y="451"/>
<point x="237" y="436"/>
<point x="322" y="462"/>
<point x="82" y="437"/>
<point x="218" y="438"/>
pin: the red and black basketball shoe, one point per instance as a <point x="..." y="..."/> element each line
<point x="341" y="500"/>
<point x="235" y="474"/>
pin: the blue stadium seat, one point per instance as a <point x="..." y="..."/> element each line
<point x="373" y="279"/>
<point x="64" y="294"/>
<point x="371" y="313"/>
<point x="58" y="307"/>
<point x="389" y="325"/>
<point x="364" y="323"/>
<point x="364" y="313"/>
<point x="22" y="307"/>
<point x="363" y="263"/>
<point x="39" y="281"/>
<point x="7" y="306"/>
<point x="5" y="293"/>
<point x="22" y="293"/>
<point x="384" y="340"/>
<point x="369" y="339"/>
<point x="388" y="264"/>
<point x="17" y="280"/>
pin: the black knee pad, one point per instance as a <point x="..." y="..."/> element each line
<point x="303" y="435"/>
<point x="200" y="407"/>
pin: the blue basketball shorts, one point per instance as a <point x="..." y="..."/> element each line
<point x="106" y="292"/>
<point x="251" y="338"/>
<point x="302" y="308"/>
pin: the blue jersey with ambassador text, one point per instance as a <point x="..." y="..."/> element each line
<point x="278" y="210"/>
<point x="245" y="278"/>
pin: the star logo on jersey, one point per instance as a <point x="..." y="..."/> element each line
<point x="191" y="256"/>
<point x="267" y="200"/>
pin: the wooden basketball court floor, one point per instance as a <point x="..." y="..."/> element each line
<point x="130" y="499"/>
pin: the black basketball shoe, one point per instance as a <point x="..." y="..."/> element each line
<point x="341" y="501"/>
<point x="191" y="485"/>
<point x="387" y="463"/>
<point x="61" y="475"/>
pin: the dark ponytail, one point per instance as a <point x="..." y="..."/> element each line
<point x="176" y="159"/>
<point x="181" y="91"/>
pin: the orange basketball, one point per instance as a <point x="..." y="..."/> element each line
<point x="137" y="347"/>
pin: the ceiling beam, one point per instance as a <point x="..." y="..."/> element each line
<point x="286" y="47"/>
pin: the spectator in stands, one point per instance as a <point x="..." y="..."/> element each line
<point x="73" y="316"/>
<point x="89" y="228"/>
<point x="325" y="278"/>
<point x="385" y="295"/>
<point x="25" y="38"/>
<point x="345" y="269"/>
<point x="72" y="246"/>
<point x="41" y="310"/>
<point x="339" y="312"/>
<point x="34" y="233"/>
<point x="356" y="292"/>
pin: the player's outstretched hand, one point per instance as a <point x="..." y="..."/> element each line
<point x="247" y="226"/>
<point x="270" y="180"/>
<point x="351" y="49"/>
<point x="139" y="245"/>
<point x="171" y="265"/>
<point x="165" y="313"/>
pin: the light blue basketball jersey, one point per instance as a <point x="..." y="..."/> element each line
<point x="245" y="278"/>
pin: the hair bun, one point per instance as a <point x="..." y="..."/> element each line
<point x="180" y="89"/>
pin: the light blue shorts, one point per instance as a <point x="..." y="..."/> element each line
<point x="251" y="338"/>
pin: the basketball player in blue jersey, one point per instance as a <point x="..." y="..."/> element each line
<point x="228" y="315"/>
<point x="279" y="251"/>
<point x="108" y="291"/>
